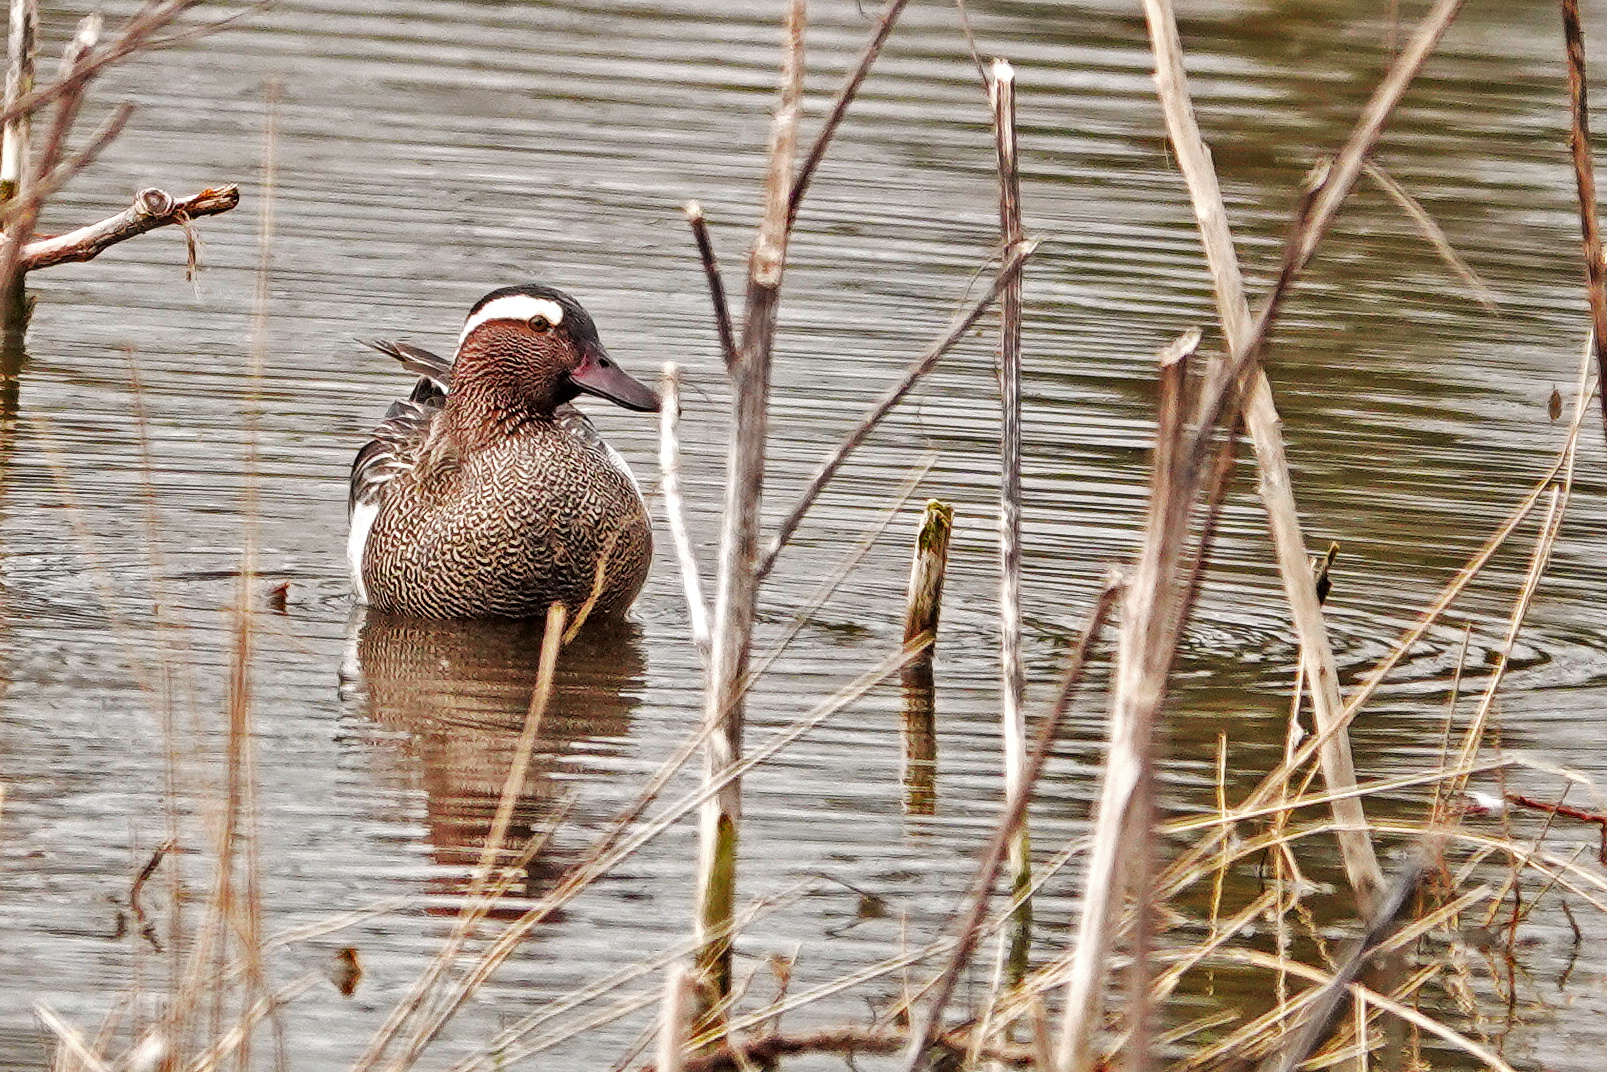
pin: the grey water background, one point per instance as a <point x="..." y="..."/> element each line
<point x="429" y="151"/>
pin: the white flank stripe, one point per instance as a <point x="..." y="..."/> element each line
<point x="618" y="461"/>
<point x="362" y="521"/>
<point x="513" y="307"/>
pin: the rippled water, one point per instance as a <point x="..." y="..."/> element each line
<point x="431" y="150"/>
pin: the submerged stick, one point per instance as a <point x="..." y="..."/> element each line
<point x="737" y="591"/>
<point x="921" y="612"/>
<point x="924" y="604"/>
<point x="1585" y="182"/>
<point x="1002" y="97"/>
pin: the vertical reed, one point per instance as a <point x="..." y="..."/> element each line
<point x="1002" y="97"/>
<point x="1152" y="615"/>
<point x="669" y="462"/>
<point x="738" y="583"/>
<point x="1585" y="183"/>
<point x="1246" y="334"/>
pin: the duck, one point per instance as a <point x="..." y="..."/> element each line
<point x="485" y="493"/>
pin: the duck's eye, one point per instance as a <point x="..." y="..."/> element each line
<point x="540" y="323"/>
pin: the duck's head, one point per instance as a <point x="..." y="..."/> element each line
<point x="534" y="347"/>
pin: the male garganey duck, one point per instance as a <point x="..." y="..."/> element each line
<point x="485" y="493"/>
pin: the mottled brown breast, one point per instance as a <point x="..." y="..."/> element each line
<point x="540" y="516"/>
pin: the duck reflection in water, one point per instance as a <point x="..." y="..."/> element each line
<point x="461" y="689"/>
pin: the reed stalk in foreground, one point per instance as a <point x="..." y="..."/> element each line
<point x="1585" y="184"/>
<point x="1012" y="697"/>
<point x="737" y="586"/>
<point x="1153" y="614"/>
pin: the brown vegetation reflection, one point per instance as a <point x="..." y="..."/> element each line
<point x="462" y="690"/>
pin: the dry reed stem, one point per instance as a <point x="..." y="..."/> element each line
<point x="1585" y="185"/>
<point x="1333" y="183"/>
<point x="239" y="912"/>
<point x="70" y="1038"/>
<point x="1481" y="558"/>
<point x="1259" y="1033"/>
<point x="1432" y="231"/>
<point x="843" y="567"/>
<point x="509" y="1043"/>
<point x="1269" y="786"/>
<point x="968" y="931"/>
<point x="23" y="210"/>
<point x="1256" y="959"/>
<point x="140" y="33"/>
<point x="1545" y="542"/>
<point x="41" y="186"/>
<point x="1152" y="614"/>
<point x="476" y="904"/>
<point x="669" y="463"/>
<point x="614" y="849"/>
<point x="737" y="587"/>
<point x="1262" y="422"/>
<point x="1013" y="684"/>
<point x="959" y="326"/>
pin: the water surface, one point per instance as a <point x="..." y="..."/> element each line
<point x="429" y="151"/>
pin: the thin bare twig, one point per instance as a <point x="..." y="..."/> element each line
<point x="1432" y="231"/>
<point x="711" y="271"/>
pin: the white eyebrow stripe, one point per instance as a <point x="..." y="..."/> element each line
<point x="513" y="307"/>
